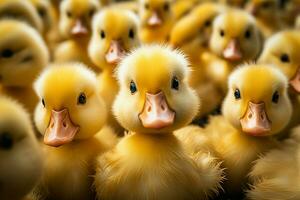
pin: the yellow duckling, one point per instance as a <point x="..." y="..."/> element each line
<point x="183" y="7"/>
<point x="282" y="50"/>
<point x="256" y="107"/>
<point x="75" y="26"/>
<point x="21" y="160"/>
<point x="276" y="175"/>
<point x="151" y="104"/>
<point x="20" y="10"/>
<point x="23" y="55"/>
<point x="156" y="20"/>
<point x="69" y="115"/>
<point x="234" y="3"/>
<point x="115" y="33"/>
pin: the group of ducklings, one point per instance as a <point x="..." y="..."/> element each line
<point x="149" y="99"/>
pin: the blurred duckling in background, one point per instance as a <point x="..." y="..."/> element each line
<point x="234" y="3"/>
<point x="115" y="33"/>
<point x="289" y="10"/>
<point x="75" y="26"/>
<point x="71" y="116"/>
<point x="21" y="160"/>
<point x="183" y="7"/>
<point x="192" y="34"/>
<point x="156" y="20"/>
<point x="23" y="55"/>
<point x="256" y="108"/>
<point x="151" y="104"/>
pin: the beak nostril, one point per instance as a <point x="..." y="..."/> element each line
<point x="52" y="125"/>
<point x="149" y="109"/>
<point x="250" y="116"/>
<point x="162" y="107"/>
<point x="262" y="116"/>
<point x="64" y="124"/>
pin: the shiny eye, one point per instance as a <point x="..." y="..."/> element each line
<point x="69" y="14"/>
<point x="43" y="102"/>
<point x="81" y="99"/>
<point x="131" y="34"/>
<point x="42" y="12"/>
<point x="6" y="141"/>
<point x="248" y="34"/>
<point x="146" y="6"/>
<point x="222" y="33"/>
<point x="284" y="58"/>
<point x="207" y="23"/>
<point x="133" y="88"/>
<point x="166" y="7"/>
<point x="275" y="97"/>
<point x="7" y="53"/>
<point x="175" y="83"/>
<point x="102" y="34"/>
<point x="92" y="12"/>
<point x="237" y="94"/>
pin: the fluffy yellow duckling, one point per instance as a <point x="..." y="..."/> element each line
<point x="69" y="115"/>
<point x="151" y="104"/>
<point x="282" y="50"/>
<point x="21" y="156"/>
<point x="23" y="55"/>
<point x="256" y="107"/>
<point x="156" y="20"/>
<point x="75" y="26"/>
<point x="235" y="39"/>
<point x="276" y="175"/>
<point x="20" y="10"/>
<point x="115" y="33"/>
<point x="183" y="7"/>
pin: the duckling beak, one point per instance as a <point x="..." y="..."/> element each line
<point x="233" y="51"/>
<point x="79" y="29"/>
<point x="154" y="20"/>
<point x="115" y="52"/>
<point x="61" y="130"/>
<point x="295" y="82"/>
<point x="156" y="113"/>
<point x="255" y="122"/>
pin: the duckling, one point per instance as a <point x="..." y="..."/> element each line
<point x="156" y="20"/>
<point x="115" y="33"/>
<point x="256" y="108"/>
<point x="182" y="7"/>
<point x="235" y="39"/>
<point x="20" y="10"/>
<point x="289" y="10"/>
<point x="151" y="104"/>
<point x="21" y="160"/>
<point x="71" y="117"/>
<point x="276" y="175"/>
<point x="281" y="50"/>
<point x="234" y="3"/>
<point x="75" y="26"/>
<point x="23" y="54"/>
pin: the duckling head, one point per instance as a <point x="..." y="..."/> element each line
<point x="21" y="157"/>
<point x="154" y="94"/>
<point x="235" y="37"/>
<point x="20" y="10"/>
<point x="114" y="34"/>
<point x="257" y="102"/>
<point x="76" y="16"/>
<point x="282" y="50"/>
<point x="263" y="9"/>
<point x="70" y="107"/>
<point x="23" y="54"/>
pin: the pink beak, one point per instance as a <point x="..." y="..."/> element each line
<point x="233" y="52"/>
<point x="115" y="52"/>
<point x="79" y="29"/>
<point x="295" y="82"/>
<point x="154" y="20"/>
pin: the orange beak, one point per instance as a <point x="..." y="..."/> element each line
<point x="295" y="82"/>
<point x="255" y="122"/>
<point x="61" y="130"/>
<point x="115" y="52"/>
<point x="79" y="29"/>
<point x="154" y="20"/>
<point x="156" y="113"/>
<point x="233" y="51"/>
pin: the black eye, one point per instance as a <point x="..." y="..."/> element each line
<point x="166" y="7"/>
<point x="43" y="102"/>
<point x="237" y="94"/>
<point x="284" y="58"/>
<point x="175" y="83"/>
<point x="102" y="34"/>
<point x="131" y="34"/>
<point x="207" y="23"/>
<point x="6" y="141"/>
<point x="275" y="97"/>
<point x="92" y="12"/>
<point x="81" y="99"/>
<point x="69" y="14"/>
<point x="248" y="34"/>
<point x="7" y="53"/>
<point x="133" y="88"/>
<point x="42" y="12"/>
<point x="146" y="6"/>
<point x="222" y="33"/>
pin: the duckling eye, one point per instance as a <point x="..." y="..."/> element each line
<point x="81" y="99"/>
<point x="284" y="58"/>
<point x="222" y="33"/>
<point x="42" y="12"/>
<point x="207" y="23"/>
<point x="7" y="53"/>
<point x="6" y="141"/>
<point x="92" y="12"/>
<point x="69" y="14"/>
<point x="166" y="6"/>
<point x="237" y="94"/>
<point x="133" y="88"/>
<point x="102" y="34"/>
<point x="131" y="33"/>
<point x="146" y="6"/>
<point x="175" y="83"/>
<point x="43" y="102"/>
<point x="248" y="34"/>
<point x="275" y="97"/>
